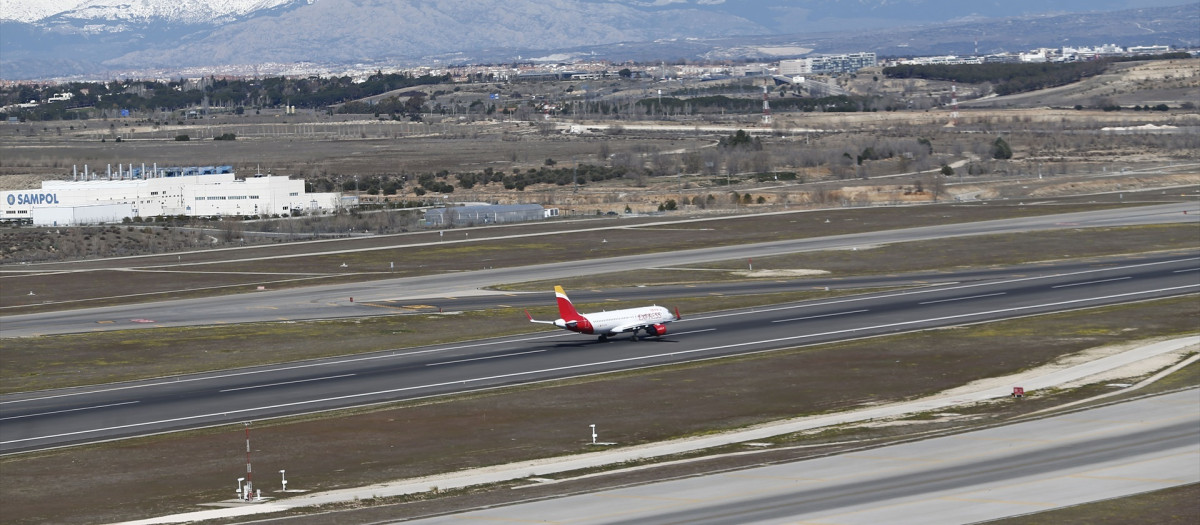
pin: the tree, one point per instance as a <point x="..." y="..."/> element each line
<point x="947" y="170"/>
<point x="936" y="186"/>
<point x="1001" y="150"/>
<point x="625" y="73"/>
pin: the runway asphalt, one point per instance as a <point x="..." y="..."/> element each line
<point x="80" y="415"/>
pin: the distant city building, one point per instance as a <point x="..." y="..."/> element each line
<point x="1034" y="56"/>
<point x="938" y="60"/>
<point x="1148" y="50"/>
<point x="487" y="214"/>
<point x="825" y="64"/>
<point x="749" y="70"/>
<point x="93" y="198"/>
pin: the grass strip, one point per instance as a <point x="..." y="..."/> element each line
<point x="142" y="477"/>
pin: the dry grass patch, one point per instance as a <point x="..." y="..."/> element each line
<point x="142" y="477"/>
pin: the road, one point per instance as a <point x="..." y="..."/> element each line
<point x="1111" y="451"/>
<point x="72" y="416"/>
<point x="334" y="301"/>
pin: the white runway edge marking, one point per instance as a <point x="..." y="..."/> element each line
<point x="285" y="383"/>
<point x="1187" y="270"/>
<point x="460" y="382"/>
<point x="1091" y="282"/>
<point x="963" y="298"/>
<point x="820" y="316"/>
<point x="68" y="410"/>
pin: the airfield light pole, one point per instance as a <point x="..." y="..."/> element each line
<point x="239" y="489"/>
<point x="953" y="104"/>
<point x="283" y="476"/>
<point x="593" y="433"/>
<point x="249" y="483"/>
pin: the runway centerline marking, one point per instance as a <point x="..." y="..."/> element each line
<point x="963" y="298"/>
<point x="68" y="410"/>
<point x="285" y="383"/>
<point x="1092" y="282"/>
<point x="819" y="316"/>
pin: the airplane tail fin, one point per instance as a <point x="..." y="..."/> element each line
<point x="566" y="310"/>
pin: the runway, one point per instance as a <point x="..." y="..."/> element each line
<point x="1039" y="465"/>
<point x="353" y="300"/>
<point x="81" y="415"/>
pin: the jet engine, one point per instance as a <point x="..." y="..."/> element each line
<point x="656" y="329"/>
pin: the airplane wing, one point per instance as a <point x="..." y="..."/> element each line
<point x="632" y="327"/>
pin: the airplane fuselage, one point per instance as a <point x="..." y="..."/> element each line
<point x="649" y="319"/>
<point x="616" y="321"/>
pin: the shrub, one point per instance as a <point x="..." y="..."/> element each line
<point x="1001" y="150"/>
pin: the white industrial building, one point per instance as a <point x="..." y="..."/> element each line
<point x="139" y="192"/>
<point x="847" y="63"/>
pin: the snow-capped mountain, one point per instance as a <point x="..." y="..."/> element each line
<point x="153" y="11"/>
<point x="47" y="38"/>
<point x="33" y="10"/>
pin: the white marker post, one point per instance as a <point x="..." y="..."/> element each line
<point x="593" y="434"/>
<point x="282" y="474"/>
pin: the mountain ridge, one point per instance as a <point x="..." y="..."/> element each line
<point x="95" y="38"/>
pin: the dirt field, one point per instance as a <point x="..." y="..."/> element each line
<point x="1058" y="153"/>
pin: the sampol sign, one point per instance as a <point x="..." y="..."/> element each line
<point x="32" y="198"/>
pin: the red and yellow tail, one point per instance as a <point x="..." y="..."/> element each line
<point x="566" y="310"/>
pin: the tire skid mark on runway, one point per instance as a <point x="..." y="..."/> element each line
<point x="964" y="298"/>
<point x="285" y="383"/>
<point x="68" y="410"/>
<point x="1091" y="282"/>
<point x="820" y="316"/>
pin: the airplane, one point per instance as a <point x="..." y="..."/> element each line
<point x="650" y="319"/>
